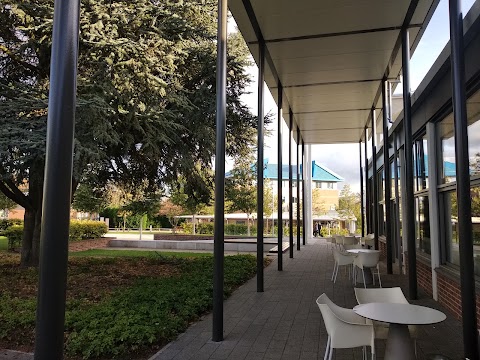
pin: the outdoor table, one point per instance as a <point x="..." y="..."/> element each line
<point x="399" y="343"/>
<point x="367" y="271"/>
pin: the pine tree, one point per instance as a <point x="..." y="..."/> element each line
<point x="145" y="99"/>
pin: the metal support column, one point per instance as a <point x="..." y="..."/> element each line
<point x="298" y="189"/>
<point x="218" y="249"/>
<point x="409" y="221"/>
<point x="388" y="178"/>
<point x="303" y="193"/>
<point x="290" y="184"/>
<point x="279" y="178"/>
<point x="367" y="196"/>
<point x="467" y="277"/>
<point x="58" y="183"/>
<point x="374" y="189"/>
<point x="397" y="203"/>
<point x="260" y="132"/>
<point x="361" y="188"/>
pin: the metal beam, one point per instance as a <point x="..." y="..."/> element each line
<point x="388" y="178"/>
<point x="217" y="333"/>
<point x="49" y="330"/>
<point x="409" y="221"/>
<point x="361" y="187"/>
<point x="467" y="276"/>
<point x="290" y="184"/>
<point x="279" y="177"/>
<point x="336" y="34"/>
<point x="260" y="157"/>
<point x="298" y="189"/>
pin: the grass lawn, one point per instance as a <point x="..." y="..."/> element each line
<point x="3" y="243"/>
<point x="122" y="307"/>
<point x="136" y="253"/>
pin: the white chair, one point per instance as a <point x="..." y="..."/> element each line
<point x="367" y="260"/>
<point x="388" y="295"/>
<point x="341" y="259"/>
<point x="384" y="295"/>
<point x="345" y="329"/>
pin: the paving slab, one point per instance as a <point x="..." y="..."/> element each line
<point x="284" y="321"/>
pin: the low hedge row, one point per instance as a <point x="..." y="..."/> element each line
<point x="86" y="229"/>
<point x="6" y="223"/>
<point x="208" y="228"/>
<point x="79" y="230"/>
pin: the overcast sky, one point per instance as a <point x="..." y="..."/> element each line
<point x="343" y="159"/>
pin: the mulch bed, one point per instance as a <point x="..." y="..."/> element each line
<point x="88" y="244"/>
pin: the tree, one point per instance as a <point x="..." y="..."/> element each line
<point x="241" y="188"/>
<point x="145" y="98"/>
<point x="318" y="204"/>
<point x="89" y="199"/>
<point x="349" y="203"/>
<point x="171" y="211"/>
<point x="5" y="203"/>
<point x="192" y="198"/>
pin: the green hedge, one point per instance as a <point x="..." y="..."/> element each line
<point x="6" y="223"/>
<point x="208" y="228"/>
<point x="14" y="235"/>
<point x="86" y="229"/>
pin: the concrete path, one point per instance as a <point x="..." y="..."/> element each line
<point x="284" y="322"/>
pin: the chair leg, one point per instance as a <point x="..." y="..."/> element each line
<point x="364" y="353"/>
<point x="336" y="273"/>
<point x="373" y="277"/>
<point x="364" y="283"/>
<point x="379" y="278"/>
<point x="327" y="349"/>
<point x="333" y="273"/>
<point x="331" y="353"/>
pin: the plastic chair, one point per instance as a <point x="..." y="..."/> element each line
<point x="341" y="259"/>
<point x="367" y="260"/>
<point x="345" y="329"/>
<point x="384" y="295"/>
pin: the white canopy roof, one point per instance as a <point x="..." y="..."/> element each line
<point x="330" y="57"/>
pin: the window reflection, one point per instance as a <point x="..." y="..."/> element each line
<point x="422" y="222"/>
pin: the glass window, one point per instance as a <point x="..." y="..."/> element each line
<point x="422" y="224"/>
<point x="421" y="164"/>
<point x="451" y="227"/>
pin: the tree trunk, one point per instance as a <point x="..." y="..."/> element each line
<point x="248" y="224"/>
<point x="33" y="217"/>
<point x="193" y="224"/>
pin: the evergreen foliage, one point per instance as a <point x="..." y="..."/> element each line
<point x="145" y="98"/>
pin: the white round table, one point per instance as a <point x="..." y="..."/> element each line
<point x="399" y="342"/>
<point x="356" y="251"/>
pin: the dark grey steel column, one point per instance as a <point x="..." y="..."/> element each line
<point x="374" y="190"/>
<point x="290" y="183"/>
<point x="260" y="132"/>
<point x="279" y="177"/>
<point x="58" y="183"/>
<point x="218" y="248"/>
<point x="397" y="204"/>
<point x="388" y="179"/>
<point x="361" y="187"/>
<point x="303" y="194"/>
<point x="467" y="277"/>
<point x="409" y="221"/>
<point x="367" y="197"/>
<point x="298" y="189"/>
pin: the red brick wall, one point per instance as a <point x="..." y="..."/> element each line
<point x="382" y="246"/>
<point x="424" y="277"/>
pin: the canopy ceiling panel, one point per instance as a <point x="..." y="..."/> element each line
<point x="330" y="56"/>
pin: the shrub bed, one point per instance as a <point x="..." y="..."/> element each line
<point x="86" y="229"/>
<point x="147" y="313"/>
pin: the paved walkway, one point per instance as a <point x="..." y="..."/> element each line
<point x="284" y="322"/>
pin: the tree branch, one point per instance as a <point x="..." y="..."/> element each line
<point x="21" y="199"/>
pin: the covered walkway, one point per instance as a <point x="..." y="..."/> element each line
<point x="284" y="322"/>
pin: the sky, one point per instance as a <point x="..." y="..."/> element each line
<point x="343" y="159"/>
